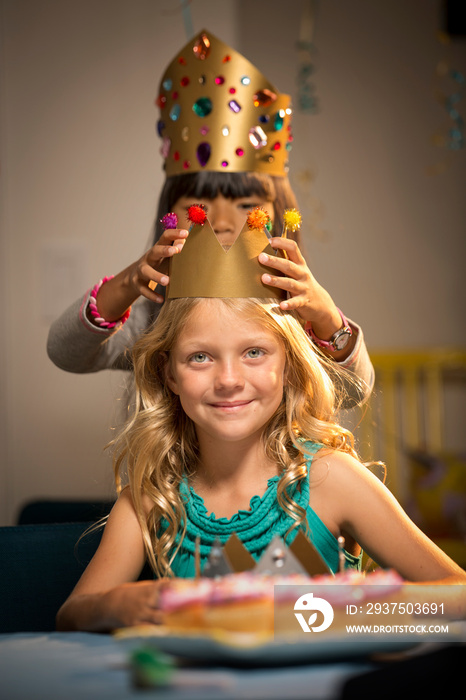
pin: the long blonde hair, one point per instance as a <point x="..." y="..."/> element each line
<point x="159" y="444"/>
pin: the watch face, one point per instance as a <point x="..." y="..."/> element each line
<point x="342" y="339"/>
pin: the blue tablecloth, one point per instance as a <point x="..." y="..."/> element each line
<point x="78" y="666"/>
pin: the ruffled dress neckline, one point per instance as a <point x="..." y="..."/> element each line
<point x="255" y="527"/>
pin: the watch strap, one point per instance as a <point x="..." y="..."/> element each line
<point x="331" y="344"/>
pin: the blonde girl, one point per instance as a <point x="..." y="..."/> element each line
<point x="235" y="431"/>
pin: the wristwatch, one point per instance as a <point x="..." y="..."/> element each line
<point x="339" y="339"/>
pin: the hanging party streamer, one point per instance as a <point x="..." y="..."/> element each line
<point x="307" y="100"/>
<point x="449" y="94"/>
<point x="455" y="135"/>
<point x="187" y="19"/>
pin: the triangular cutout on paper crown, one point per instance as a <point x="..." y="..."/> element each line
<point x="217" y="564"/>
<point x="203" y="268"/>
<point x="308" y="555"/>
<point x="237" y="554"/>
<point x="278" y="559"/>
<point x="301" y="557"/>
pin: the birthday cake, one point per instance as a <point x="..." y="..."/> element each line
<point x="245" y="602"/>
<point x="289" y="588"/>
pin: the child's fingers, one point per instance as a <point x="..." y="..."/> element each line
<point x="170" y="243"/>
<point x="288" y="284"/>
<point x="158" y="253"/>
<point x="287" y="267"/>
<point x="154" y="268"/>
<point x="289" y="247"/>
<point x="172" y="234"/>
<point x="298" y="297"/>
<point x="149" y="279"/>
<point x="154" y="271"/>
<point x="293" y="303"/>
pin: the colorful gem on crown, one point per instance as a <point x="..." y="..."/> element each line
<point x="244" y="121"/>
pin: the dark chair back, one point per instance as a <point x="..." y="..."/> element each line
<point x="39" y="567"/>
<point x="61" y="511"/>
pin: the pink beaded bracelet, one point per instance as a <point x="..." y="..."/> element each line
<point x="96" y="317"/>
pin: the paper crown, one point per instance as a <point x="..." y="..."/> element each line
<point x="219" y="113"/>
<point x="204" y="268"/>
<point x="300" y="557"/>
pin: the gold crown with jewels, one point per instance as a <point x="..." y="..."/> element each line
<point x="219" y="113"/>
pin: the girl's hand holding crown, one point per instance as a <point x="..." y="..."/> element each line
<point x="141" y="277"/>
<point x="306" y="296"/>
<point x="152" y="267"/>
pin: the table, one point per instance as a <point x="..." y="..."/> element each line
<point x="78" y="666"/>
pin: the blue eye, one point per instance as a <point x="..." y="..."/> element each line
<point x="254" y="353"/>
<point x="198" y="357"/>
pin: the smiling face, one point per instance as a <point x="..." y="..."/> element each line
<point x="228" y="373"/>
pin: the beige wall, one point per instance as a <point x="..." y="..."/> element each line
<point x="81" y="174"/>
<point x="388" y="239"/>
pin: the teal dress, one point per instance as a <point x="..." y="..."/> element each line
<point x="255" y="527"/>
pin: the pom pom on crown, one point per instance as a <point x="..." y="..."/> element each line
<point x="169" y="220"/>
<point x="258" y="218"/>
<point x="291" y="220"/>
<point x="197" y="214"/>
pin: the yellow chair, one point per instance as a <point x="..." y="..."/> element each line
<point x="414" y="423"/>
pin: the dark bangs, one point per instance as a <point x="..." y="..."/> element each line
<point x="209" y="185"/>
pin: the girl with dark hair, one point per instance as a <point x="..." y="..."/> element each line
<point x="226" y="133"/>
